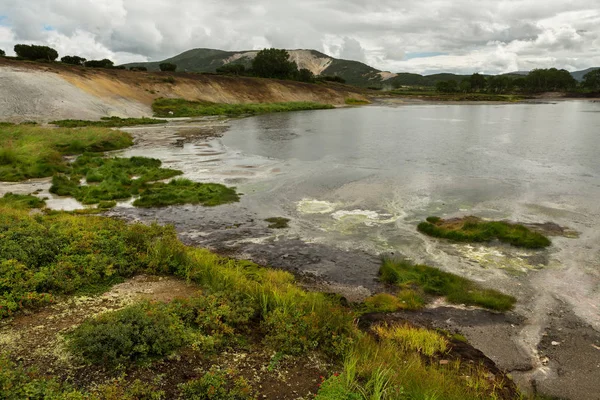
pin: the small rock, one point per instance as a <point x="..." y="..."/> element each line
<point x="555" y="343"/>
<point x="443" y="362"/>
<point x="545" y="361"/>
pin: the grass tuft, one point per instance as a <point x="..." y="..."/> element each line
<point x="431" y="280"/>
<point x="473" y="229"/>
<point x="409" y="338"/>
<point x="184" y="191"/>
<point x="184" y="108"/>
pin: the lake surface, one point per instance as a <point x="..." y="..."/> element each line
<point x="362" y="178"/>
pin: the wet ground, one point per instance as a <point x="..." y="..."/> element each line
<point x="347" y="207"/>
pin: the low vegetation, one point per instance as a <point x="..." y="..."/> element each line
<point x="277" y="222"/>
<point x="184" y="191"/>
<point x="28" y="151"/>
<point x="356" y="102"/>
<point x="456" y="96"/>
<point x="473" y="229"/>
<point x="21" y="201"/>
<point x="52" y="254"/>
<point x="435" y="282"/>
<point x="184" y="108"/>
<point x="107" y="122"/>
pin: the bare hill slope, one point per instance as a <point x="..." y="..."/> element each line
<point x="44" y="92"/>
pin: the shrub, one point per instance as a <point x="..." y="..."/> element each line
<point x="274" y="63"/>
<point x="305" y="75"/>
<point x="73" y="60"/>
<point x="138" y="69"/>
<point x="104" y="63"/>
<point x="216" y="385"/>
<point x="2" y="53"/>
<point x="331" y="78"/>
<point x="232" y="69"/>
<point x="167" y="67"/>
<point x="34" y="53"/>
<point x="136" y="332"/>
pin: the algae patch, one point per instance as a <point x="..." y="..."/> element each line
<point x="312" y="206"/>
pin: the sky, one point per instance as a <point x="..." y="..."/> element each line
<point x="421" y="36"/>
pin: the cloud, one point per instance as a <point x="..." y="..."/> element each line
<point x="457" y="36"/>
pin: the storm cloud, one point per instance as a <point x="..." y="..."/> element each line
<point x="414" y="36"/>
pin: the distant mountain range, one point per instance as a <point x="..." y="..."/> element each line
<point x="354" y="72"/>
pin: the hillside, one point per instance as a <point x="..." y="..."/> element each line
<point x="354" y="72"/>
<point x="45" y="92"/>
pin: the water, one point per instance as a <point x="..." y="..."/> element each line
<point x="362" y="178"/>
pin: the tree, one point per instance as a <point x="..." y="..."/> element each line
<point x="305" y="75"/>
<point x="274" y="63"/>
<point x="549" y="80"/>
<point x="104" y="63"/>
<point x="73" y="60"/>
<point x="34" y="53"/>
<point x="500" y="84"/>
<point x="591" y="80"/>
<point x="2" y="53"/>
<point x="168" y="67"/>
<point x="232" y="69"/>
<point x="446" y="86"/>
<point x="477" y="82"/>
<point x="465" y="86"/>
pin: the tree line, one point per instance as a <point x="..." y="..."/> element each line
<point x="536" y="81"/>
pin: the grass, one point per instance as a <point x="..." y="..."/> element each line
<point x="33" y="152"/>
<point x="277" y="222"/>
<point x="21" y="201"/>
<point x="355" y="102"/>
<point x="473" y="229"/>
<point x="107" y="122"/>
<point x="184" y="108"/>
<point x="432" y="281"/>
<point x="184" y="191"/>
<point x="406" y="299"/>
<point x="54" y="254"/>
<point x="108" y="179"/>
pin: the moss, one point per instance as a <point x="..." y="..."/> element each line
<point x="184" y="108"/>
<point x="21" y="201"/>
<point x="277" y="222"/>
<point x="473" y="229"/>
<point x="432" y="281"/>
<point x="107" y="122"/>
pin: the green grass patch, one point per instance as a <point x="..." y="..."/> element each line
<point x="107" y="122"/>
<point x="473" y="229"/>
<point x="184" y="108"/>
<point x="356" y="102"/>
<point x="277" y="222"/>
<point x="22" y="201"/>
<point x="33" y="152"/>
<point x="411" y="338"/>
<point x="433" y="281"/>
<point x="184" y="191"/>
<point x="109" y="179"/>
<point x="438" y="96"/>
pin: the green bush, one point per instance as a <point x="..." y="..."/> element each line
<point x="137" y="332"/>
<point x="216" y="385"/>
<point x="73" y="60"/>
<point x="274" y="63"/>
<point x="104" y="63"/>
<point x="143" y="69"/>
<point x="34" y="52"/>
<point x="232" y="69"/>
<point x="167" y="67"/>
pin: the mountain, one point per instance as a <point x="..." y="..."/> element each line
<point x="354" y="72"/>
<point x="580" y="74"/>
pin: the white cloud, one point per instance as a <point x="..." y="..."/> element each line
<point x="489" y="35"/>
